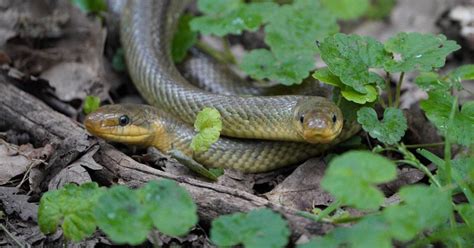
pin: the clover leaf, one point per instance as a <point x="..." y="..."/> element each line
<point x="390" y="130"/>
<point x="415" y="51"/>
<point x="352" y="178"/>
<point x="347" y="9"/>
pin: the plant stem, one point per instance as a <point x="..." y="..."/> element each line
<point x="399" y="87"/>
<point x="389" y="89"/>
<point x="227" y="52"/>
<point x="327" y="211"/>
<point x="216" y="54"/>
<point x="424" y="145"/>
<point x="423" y="168"/>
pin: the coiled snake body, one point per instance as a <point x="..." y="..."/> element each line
<point x="146" y="30"/>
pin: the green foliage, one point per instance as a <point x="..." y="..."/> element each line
<point x="72" y="208"/>
<point x="261" y="64"/>
<point x="326" y="76"/>
<point x="183" y="39"/>
<point x="256" y="229"/>
<point x="352" y="178"/>
<point x="230" y="16"/>
<point x="415" y="51"/>
<point x="412" y="217"/>
<point x="122" y="216"/>
<point x="208" y="124"/>
<point x="118" y="60"/>
<point x="91" y="104"/>
<point x="438" y="108"/>
<point x="350" y="57"/>
<point x="125" y="215"/>
<point x="347" y="9"/>
<point x="390" y="130"/>
<point x="91" y="6"/>
<point x="380" y="9"/>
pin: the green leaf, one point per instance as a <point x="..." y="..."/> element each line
<point x="351" y="56"/>
<point x="183" y="39"/>
<point x="360" y="98"/>
<point x="347" y="9"/>
<point x="325" y="75"/>
<point x="91" y="6"/>
<point x="430" y="81"/>
<point x="257" y="229"/>
<point x="379" y="237"/>
<point x="467" y="213"/>
<point x="352" y="177"/>
<point x="208" y="124"/>
<point x="294" y="28"/>
<point x="120" y="214"/>
<point x="380" y="9"/>
<point x="91" y="104"/>
<point x="73" y="205"/>
<point x="118" y="60"/>
<point x="438" y="107"/>
<point x="170" y="207"/>
<point x="230" y="16"/>
<point x="326" y="241"/>
<point x="261" y="64"/>
<point x="424" y="208"/>
<point x="415" y="51"/>
<point x="390" y="130"/>
<point x="464" y="72"/>
<point x="463" y="172"/>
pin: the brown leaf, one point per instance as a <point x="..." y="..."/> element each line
<point x="301" y="190"/>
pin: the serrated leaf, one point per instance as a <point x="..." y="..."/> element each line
<point x="230" y="16"/>
<point x="390" y="130"/>
<point x="261" y="64"/>
<point x="120" y="214"/>
<point x="91" y="104"/>
<point x="430" y="81"/>
<point x="415" y="51"/>
<point x="347" y="9"/>
<point x="351" y="56"/>
<point x="257" y="229"/>
<point x="183" y="39"/>
<point x="423" y="208"/>
<point x="352" y="177"/>
<point x="294" y="28"/>
<point x="74" y="206"/>
<point x="438" y="108"/>
<point x="169" y="206"/>
<point x="208" y="124"/>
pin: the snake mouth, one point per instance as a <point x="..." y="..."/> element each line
<point x="320" y="137"/>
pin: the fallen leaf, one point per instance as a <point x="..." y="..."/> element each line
<point x="14" y="202"/>
<point x="301" y="189"/>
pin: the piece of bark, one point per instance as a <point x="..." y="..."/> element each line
<point x="45" y="125"/>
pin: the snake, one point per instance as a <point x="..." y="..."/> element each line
<point x="261" y="133"/>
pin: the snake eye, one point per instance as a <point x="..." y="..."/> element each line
<point x="123" y="120"/>
<point x="302" y="118"/>
<point x="334" y="119"/>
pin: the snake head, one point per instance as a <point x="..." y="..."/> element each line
<point x="125" y="123"/>
<point x="318" y="120"/>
